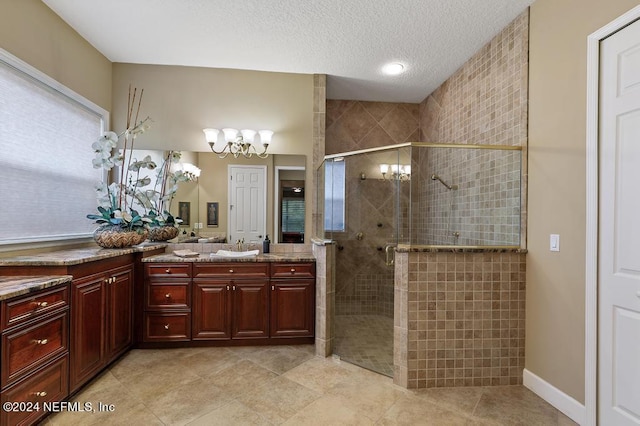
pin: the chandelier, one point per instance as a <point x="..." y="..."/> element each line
<point x="398" y="171"/>
<point x="238" y="143"/>
<point x="189" y="171"/>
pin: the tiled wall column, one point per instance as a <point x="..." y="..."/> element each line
<point x="463" y="315"/>
<point x="319" y="131"/>
<point x="325" y="296"/>
<point x="401" y="320"/>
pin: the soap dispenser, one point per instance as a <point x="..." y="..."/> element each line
<point x="265" y="244"/>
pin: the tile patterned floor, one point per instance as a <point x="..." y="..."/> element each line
<point x="365" y="340"/>
<point x="285" y="385"/>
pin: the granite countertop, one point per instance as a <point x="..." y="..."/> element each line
<point x="408" y="248"/>
<point x="205" y="257"/>
<point x="76" y="256"/>
<point x="17" y="286"/>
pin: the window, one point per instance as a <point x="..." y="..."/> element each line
<point x="334" y="191"/>
<point x="293" y="215"/>
<point x="47" y="179"/>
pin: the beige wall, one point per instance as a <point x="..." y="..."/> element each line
<point x="33" y="33"/>
<point x="557" y="110"/>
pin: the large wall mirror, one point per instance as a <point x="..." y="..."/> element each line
<point x="204" y="204"/>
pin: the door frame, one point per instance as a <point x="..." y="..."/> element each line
<point x="591" y="247"/>
<point x="246" y="166"/>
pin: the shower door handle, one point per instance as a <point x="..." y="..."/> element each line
<point x="389" y="253"/>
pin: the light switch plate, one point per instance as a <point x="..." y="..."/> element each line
<point x="554" y="242"/>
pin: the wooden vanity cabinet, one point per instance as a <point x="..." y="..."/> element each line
<point x="231" y="301"/>
<point x="292" y="300"/>
<point x="167" y="302"/>
<point x="102" y="318"/>
<point x="35" y="352"/>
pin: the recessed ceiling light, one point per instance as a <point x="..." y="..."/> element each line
<point x="393" y="68"/>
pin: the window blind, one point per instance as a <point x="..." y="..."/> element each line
<point x="334" y="193"/>
<point x="47" y="180"/>
<point x="293" y="215"/>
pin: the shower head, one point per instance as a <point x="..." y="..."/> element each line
<point x="449" y="187"/>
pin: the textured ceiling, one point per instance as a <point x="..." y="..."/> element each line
<point x="349" y="40"/>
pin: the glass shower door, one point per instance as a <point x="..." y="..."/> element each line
<point x="364" y="259"/>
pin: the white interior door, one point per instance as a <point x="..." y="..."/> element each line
<point x="619" y="230"/>
<point x="247" y="203"/>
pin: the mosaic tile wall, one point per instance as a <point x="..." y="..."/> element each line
<point x="484" y="102"/>
<point x="462" y="316"/>
<point x="365" y="284"/>
<point x="485" y="207"/>
<point x="355" y="125"/>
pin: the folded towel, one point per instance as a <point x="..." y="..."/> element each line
<point x="229" y="253"/>
<point x="186" y="253"/>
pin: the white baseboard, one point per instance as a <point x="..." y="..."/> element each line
<point x="554" y="396"/>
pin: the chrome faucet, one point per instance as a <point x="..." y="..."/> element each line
<point x="239" y="245"/>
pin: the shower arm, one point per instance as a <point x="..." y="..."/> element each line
<point x="449" y="187"/>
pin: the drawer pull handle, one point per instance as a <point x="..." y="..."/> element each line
<point x="166" y="326"/>
<point x="167" y="296"/>
<point x="41" y="341"/>
<point x="168" y="271"/>
<point x="227" y="288"/>
<point x="234" y="288"/>
<point x="114" y="279"/>
<point x="41" y="304"/>
<point x="231" y="271"/>
<point x="40" y="394"/>
<point x="293" y="270"/>
<point x="273" y="287"/>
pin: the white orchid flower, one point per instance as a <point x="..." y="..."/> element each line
<point x="144" y="181"/>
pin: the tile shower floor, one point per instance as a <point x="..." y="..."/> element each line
<point x="285" y="385"/>
<point x="365" y="340"/>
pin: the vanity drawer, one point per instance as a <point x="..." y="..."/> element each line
<point x="163" y="295"/>
<point x="293" y="270"/>
<point x="168" y="270"/>
<point x="30" y="306"/>
<point x="230" y="270"/>
<point x="28" y="347"/>
<point x="167" y="327"/>
<point x="47" y="385"/>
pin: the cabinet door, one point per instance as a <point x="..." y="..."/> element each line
<point x="250" y="309"/>
<point x="211" y="310"/>
<point x="49" y="384"/>
<point x="119" y="293"/>
<point x="87" y="329"/>
<point x="292" y="308"/>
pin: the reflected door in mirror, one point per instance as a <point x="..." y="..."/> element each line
<point x="247" y="203"/>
